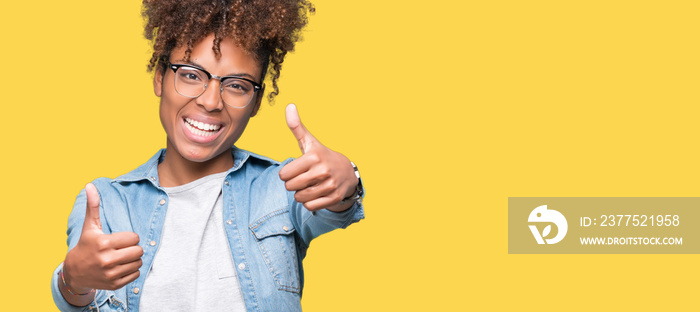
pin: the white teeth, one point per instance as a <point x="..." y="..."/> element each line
<point x="201" y="129"/>
<point x="198" y="125"/>
<point x="198" y="131"/>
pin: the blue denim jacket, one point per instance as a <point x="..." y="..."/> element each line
<point x="268" y="231"/>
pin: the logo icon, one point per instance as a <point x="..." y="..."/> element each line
<point x="542" y="214"/>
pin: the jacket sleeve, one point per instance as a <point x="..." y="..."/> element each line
<point x="310" y="225"/>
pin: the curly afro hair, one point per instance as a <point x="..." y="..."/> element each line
<point x="267" y="29"/>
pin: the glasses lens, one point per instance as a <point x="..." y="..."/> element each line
<point x="190" y="81"/>
<point x="236" y="92"/>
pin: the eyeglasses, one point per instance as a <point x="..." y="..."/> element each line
<point x="191" y="81"/>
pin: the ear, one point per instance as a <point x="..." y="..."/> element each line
<point x="158" y="81"/>
<point x="258" y="101"/>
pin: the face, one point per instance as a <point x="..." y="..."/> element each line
<point x="203" y="129"/>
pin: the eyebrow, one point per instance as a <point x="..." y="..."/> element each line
<point x="249" y="76"/>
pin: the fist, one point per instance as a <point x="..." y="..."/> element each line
<point x="321" y="178"/>
<point x="101" y="261"/>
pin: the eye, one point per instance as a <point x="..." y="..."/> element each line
<point x="191" y="75"/>
<point x="237" y="86"/>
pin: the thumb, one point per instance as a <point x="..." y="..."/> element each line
<point x="92" y="212"/>
<point x="300" y="133"/>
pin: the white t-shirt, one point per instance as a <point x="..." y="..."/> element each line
<point x="193" y="269"/>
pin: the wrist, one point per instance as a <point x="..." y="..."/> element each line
<point x="357" y="190"/>
<point x="65" y="282"/>
<point x="351" y="194"/>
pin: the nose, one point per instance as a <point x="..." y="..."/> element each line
<point x="211" y="98"/>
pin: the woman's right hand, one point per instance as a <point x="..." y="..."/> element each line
<point x="100" y="261"/>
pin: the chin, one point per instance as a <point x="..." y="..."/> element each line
<point x="203" y="155"/>
<point x="197" y="156"/>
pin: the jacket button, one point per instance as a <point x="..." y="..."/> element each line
<point x="285" y="228"/>
<point x="136" y="290"/>
<point x="162" y="202"/>
<point x="229" y="222"/>
<point x="226" y="182"/>
<point x="152" y="243"/>
<point x="241" y="266"/>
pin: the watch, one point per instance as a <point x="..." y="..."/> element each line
<point x="357" y="195"/>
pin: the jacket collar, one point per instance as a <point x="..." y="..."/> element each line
<point x="149" y="170"/>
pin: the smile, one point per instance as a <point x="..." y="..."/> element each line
<point x="200" y="128"/>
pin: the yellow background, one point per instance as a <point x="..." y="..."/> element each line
<point x="447" y="107"/>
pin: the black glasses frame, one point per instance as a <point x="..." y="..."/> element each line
<point x="175" y="67"/>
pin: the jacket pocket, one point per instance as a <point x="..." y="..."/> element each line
<point x="274" y="234"/>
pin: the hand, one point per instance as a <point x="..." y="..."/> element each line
<point x="101" y="261"/>
<point x="320" y="178"/>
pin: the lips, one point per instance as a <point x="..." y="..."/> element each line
<point x="201" y="128"/>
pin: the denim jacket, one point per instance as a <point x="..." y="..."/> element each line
<point x="268" y="231"/>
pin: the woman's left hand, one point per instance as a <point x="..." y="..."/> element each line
<point x="321" y="178"/>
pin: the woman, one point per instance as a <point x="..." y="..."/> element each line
<point x="202" y="225"/>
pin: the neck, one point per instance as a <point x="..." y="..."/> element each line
<point x="176" y="170"/>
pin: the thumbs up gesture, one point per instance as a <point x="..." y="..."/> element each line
<point x="321" y="178"/>
<point x="101" y="261"/>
